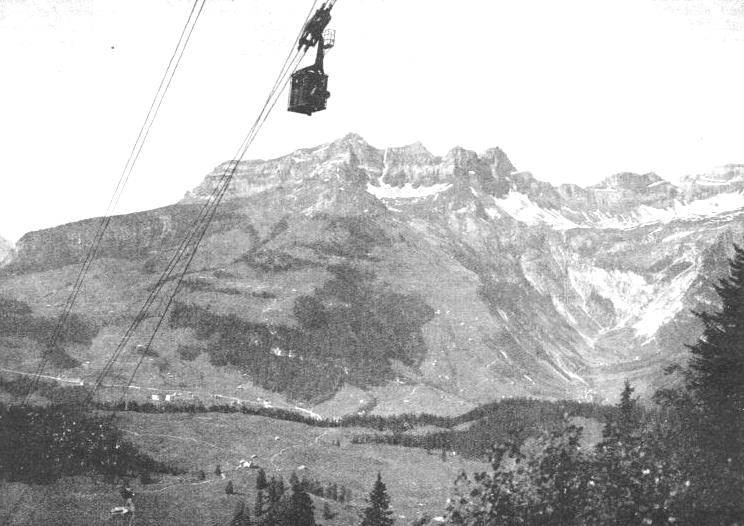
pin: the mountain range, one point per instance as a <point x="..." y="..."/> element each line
<point x="345" y="277"/>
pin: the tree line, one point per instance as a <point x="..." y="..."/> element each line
<point x="514" y="419"/>
<point x="516" y="412"/>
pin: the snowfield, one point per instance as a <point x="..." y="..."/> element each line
<point x="520" y="207"/>
<point x="407" y="191"/>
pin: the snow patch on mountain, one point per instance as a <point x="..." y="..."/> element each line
<point x="666" y="302"/>
<point x="704" y="181"/>
<point x="520" y="207"/>
<point x="523" y="209"/>
<point x="407" y="191"/>
<point x="717" y="205"/>
<point x="641" y="305"/>
<point x="677" y="236"/>
<point x="628" y="291"/>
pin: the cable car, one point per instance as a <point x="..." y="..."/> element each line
<point x="309" y="87"/>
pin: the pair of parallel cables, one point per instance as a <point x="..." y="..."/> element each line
<point x="195" y="235"/>
<point x="165" y="82"/>
<point x="186" y="251"/>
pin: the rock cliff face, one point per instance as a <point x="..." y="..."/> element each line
<point x="129" y="237"/>
<point x="424" y="281"/>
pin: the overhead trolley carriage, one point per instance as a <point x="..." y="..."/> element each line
<point x="309" y="87"/>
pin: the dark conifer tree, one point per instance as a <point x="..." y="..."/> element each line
<point x="332" y="491"/>
<point x="622" y="459"/>
<point x="628" y="420"/>
<point x="272" y="494"/>
<point x="242" y="516"/>
<point x="293" y="480"/>
<point x="280" y="485"/>
<point x="378" y="512"/>
<point x="261" y="483"/>
<point x="299" y="510"/>
<point x="716" y="369"/>
<point x="276" y="489"/>
<point x="258" y="507"/>
<point x="715" y="381"/>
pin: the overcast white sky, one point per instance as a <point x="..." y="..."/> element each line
<point x="572" y="90"/>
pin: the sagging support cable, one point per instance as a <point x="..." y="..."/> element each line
<point x="189" y="245"/>
<point x="134" y="154"/>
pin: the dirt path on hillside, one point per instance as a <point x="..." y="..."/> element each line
<point x="314" y="441"/>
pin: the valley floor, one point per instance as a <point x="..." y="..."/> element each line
<point x="419" y="482"/>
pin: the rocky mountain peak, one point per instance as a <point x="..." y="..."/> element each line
<point x="722" y="179"/>
<point x="459" y="156"/>
<point x="415" y="152"/>
<point x="411" y="173"/>
<point x="631" y="181"/>
<point x="497" y="157"/>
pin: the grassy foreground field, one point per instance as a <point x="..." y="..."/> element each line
<point x="419" y="483"/>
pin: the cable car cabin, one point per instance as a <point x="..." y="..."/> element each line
<point x="309" y="91"/>
<point x="309" y="88"/>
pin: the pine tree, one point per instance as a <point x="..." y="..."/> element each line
<point x="280" y="485"/>
<point x="715" y="413"/>
<point x="627" y="421"/>
<point x="273" y="495"/>
<point x="242" y="516"/>
<point x="631" y="479"/>
<point x="332" y="491"/>
<point x="261" y="483"/>
<point x="229" y="488"/>
<point x="378" y="513"/>
<point x="716" y="369"/>
<point x="627" y="404"/>
<point x="276" y="489"/>
<point x="299" y="510"/>
<point x="258" y="507"/>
